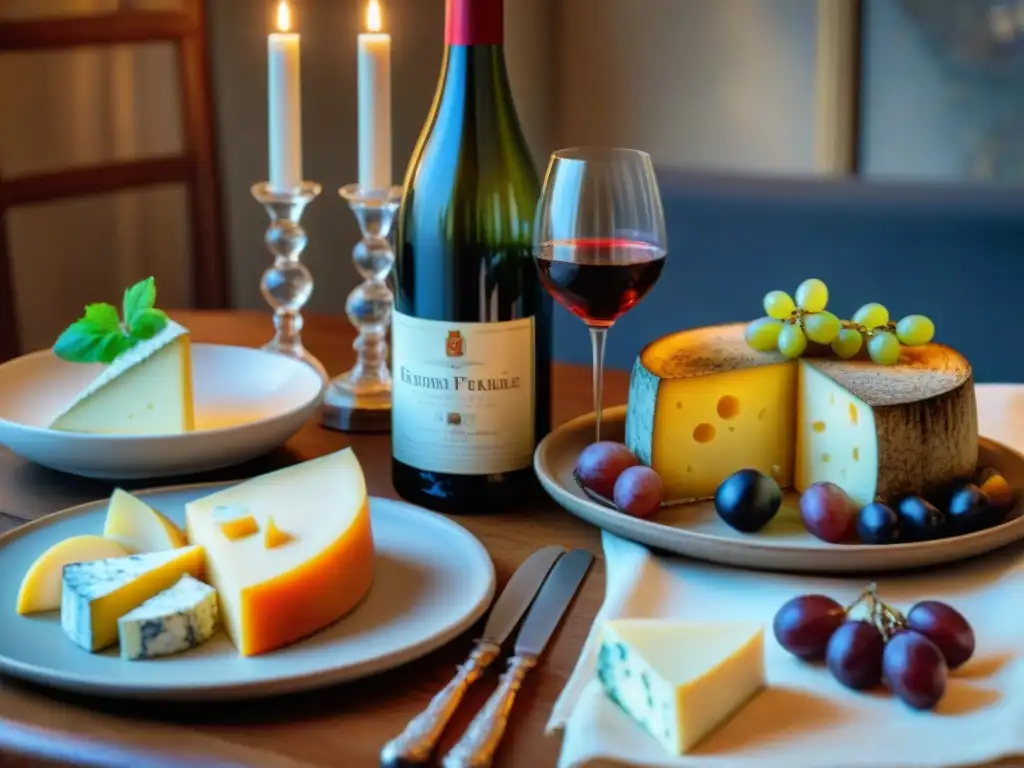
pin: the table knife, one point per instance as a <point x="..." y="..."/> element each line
<point x="477" y="746"/>
<point x="416" y="743"/>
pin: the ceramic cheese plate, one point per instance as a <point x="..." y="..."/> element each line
<point x="431" y="579"/>
<point x="246" y="402"/>
<point x="696" y="530"/>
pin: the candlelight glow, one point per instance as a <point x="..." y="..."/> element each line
<point x="284" y="17"/>
<point x="373" y="22"/>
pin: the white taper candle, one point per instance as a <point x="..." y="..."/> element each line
<point x="374" y="104"/>
<point x="284" y="104"/>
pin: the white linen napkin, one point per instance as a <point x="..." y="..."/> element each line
<point x="805" y="719"/>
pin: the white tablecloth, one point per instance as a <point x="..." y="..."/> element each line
<point x="805" y="719"/>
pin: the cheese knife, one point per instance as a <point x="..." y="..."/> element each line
<point x="416" y="743"/>
<point x="477" y="746"/>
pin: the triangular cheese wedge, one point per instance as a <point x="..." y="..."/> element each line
<point x="272" y="597"/>
<point x="146" y="390"/>
<point x="680" y="680"/>
<point x="138" y="526"/>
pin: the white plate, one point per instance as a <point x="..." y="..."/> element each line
<point x="784" y="544"/>
<point x="247" y="402"/>
<point x="432" y="580"/>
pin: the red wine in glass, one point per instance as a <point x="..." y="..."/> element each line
<point x="599" y="279"/>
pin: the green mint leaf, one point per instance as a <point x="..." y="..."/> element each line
<point x="147" y="324"/>
<point x="103" y="316"/>
<point x="86" y="341"/>
<point x="139" y="297"/>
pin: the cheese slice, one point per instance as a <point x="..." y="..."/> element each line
<point x="703" y="405"/>
<point x="146" y="390"/>
<point x="138" y="526"/>
<point x="41" y="586"/>
<point x="95" y="595"/>
<point x="680" y="680"/>
<point x="272" y="597"/>
<point x="176" y="620"/>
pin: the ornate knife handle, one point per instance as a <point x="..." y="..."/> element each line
<point x="414" y="745"/>
<point x="477" y="746"/>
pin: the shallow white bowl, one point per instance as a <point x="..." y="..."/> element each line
<point x="247" y="402"/>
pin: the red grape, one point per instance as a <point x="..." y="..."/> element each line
<point x="854" y="654"/>
<point x="638" y="491"/>
<point x="804" y="625"/>
<point x="946" y="627"/>
<point x="828" y="512"/>
<point x="915" y="669"/>
<point x="600" y="464"/>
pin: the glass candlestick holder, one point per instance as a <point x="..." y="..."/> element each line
<point x="359" y="400"/>
<point x="287" y="283"/>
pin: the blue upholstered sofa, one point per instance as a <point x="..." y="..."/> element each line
<point x="955" y="253"/>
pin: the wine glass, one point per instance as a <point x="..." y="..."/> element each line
<point x="600" y="239"/>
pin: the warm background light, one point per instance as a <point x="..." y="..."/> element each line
<point x="284" y="17"/>
<point x="373" y="22"/>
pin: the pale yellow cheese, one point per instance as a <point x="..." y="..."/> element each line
<point x="270" y="597"/>
<point x="40" y="588"/>
<point x="138" y="526"/>
<point x="681" y="680"/>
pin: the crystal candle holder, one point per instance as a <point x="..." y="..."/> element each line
<point x="359" y="400"/>
<point x="287" y="283"/>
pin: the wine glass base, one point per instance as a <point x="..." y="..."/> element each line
<point x="345" y="412"/>
<point x="300" y="353"/>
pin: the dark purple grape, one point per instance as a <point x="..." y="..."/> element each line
<point x="828" y="512"/>
<point x="600" y="464"/>
<point x="877" y="524"/>
<point x="969" y="510"/>
<point x="945" y="626"/>
<point x="914" y="669"/>
<point x="920" y="520"/>
<point x="747" y="500"/>
<point x="804" y="625"/>
<point x="854" y="654"/>
<point x="638" y="491"/>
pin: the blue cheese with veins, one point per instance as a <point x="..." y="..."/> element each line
<point x="176" y="620"/>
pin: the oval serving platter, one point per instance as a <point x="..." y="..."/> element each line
<point x="432" y="580"/>
<point x="695" y="529"/>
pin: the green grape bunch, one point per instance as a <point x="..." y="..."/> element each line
<point x="791" y="323"/>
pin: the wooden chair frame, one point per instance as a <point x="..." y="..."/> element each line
<point x="195" y="166"/>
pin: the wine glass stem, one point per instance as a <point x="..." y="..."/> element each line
<point x="597" y="339"/>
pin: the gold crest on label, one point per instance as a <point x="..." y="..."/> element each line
<point x="455" y="345"/>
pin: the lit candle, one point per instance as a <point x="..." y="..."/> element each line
<point x="374" y="104"/>
<point x="284" y="103"/>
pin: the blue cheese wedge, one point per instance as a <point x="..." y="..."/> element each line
<point x="680" y="680"/>
<point x="176" y="620"/>
<point x="95" y="595"/>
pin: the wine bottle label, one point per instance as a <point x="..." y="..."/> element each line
<point x="462" y="397"/>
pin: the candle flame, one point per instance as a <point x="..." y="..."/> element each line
<point x="373" y="22"/>
<point x="284" y="16"/>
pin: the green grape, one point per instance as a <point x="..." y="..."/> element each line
<point x="847" y="343"/>
<point x="792" y="341"/>
<point x="915" y="330"/>
<point x="821" y="327"/>
<point x="763" y="334"/>
<point x="812" y="295"/>
<point x="778" y="304"/>
<point x="884" y="348"/>
<point x="871" y="315"/>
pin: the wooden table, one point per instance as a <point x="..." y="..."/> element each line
<point x="340" y="726"/>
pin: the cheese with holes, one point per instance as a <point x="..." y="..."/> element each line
<point x="702" y="405"/>
<point x="41" y="585"/>
<point x="140" y="528"/>
<point x="176" y="620"/>
<point x="680" y="680"/>
<point x="95" y="595"/>
<point x="145" y="390"/>
<point x="271" y="597"/>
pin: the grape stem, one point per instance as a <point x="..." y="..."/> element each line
<point x="887" y="620"/>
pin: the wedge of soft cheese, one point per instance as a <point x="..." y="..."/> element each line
<point x="703" y="405"/>
<point x="138" y="526"/>
<point x="146" y="390"/>
<point x="176" y="620"/>
<point x="272" y="596"/>
<point x="95" y="595"/>
<point x="41" y="586"/>
<point x="680" y="680"/>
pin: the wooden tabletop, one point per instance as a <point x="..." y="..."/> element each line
<point x="339" y="726"/>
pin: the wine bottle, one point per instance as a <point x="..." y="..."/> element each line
<point x="471" y="331"/>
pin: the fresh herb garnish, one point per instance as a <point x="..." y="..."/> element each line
<point x="99" y="336"/>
